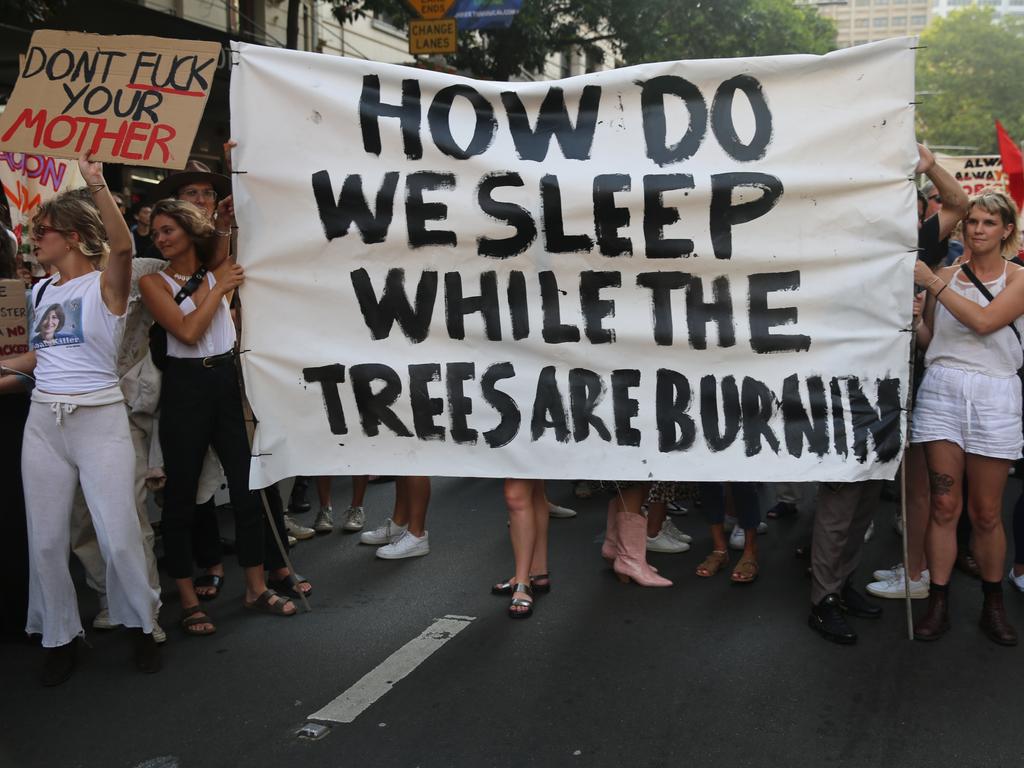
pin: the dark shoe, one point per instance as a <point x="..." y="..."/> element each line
<point x="782" y="509"/>
<point x="803" y="551"/>
<point x="935" y="622"/>
<point x="58" y="664"/>
<point x="297" y="501"/>
<point x="147" y="653"/>
<point x="994" y="622"/>
<point x="856" y="604"/>
<point x="827" y="619"/>
<point x="966" y="563"/>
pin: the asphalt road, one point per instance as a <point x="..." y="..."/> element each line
<point x="604" y="674"/>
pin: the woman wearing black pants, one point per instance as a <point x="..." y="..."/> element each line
<point x="201" y="405"/>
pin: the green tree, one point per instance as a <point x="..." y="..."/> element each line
<point x="635" y="30"/>
<point x="969" y="74"/>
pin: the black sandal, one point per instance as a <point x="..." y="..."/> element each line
<point x="208" y="580"/>
<point x="518" y="602"/>
<point x="288" y="588"/>
<point x="505" y="588"/>
<point x="192" y="617"/>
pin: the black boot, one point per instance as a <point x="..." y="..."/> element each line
<point x="147" y="653"/>
<point x="856" y="604"/>
<point x="297" y="502"/>
<point x="58" y="664"/>
<point x="828" y="620"/>
<point x="935" y="622"/>
<point x="994" y="622"/>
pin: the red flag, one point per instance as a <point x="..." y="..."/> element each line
<point x="1013" y="164"/>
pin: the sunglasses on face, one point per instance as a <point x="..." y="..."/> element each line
<point x="42" y="230"/>
<point x="936" y="198"/>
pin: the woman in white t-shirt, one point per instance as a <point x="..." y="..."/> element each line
<point x="77" y="430"/>
<point x="968" y="409"/>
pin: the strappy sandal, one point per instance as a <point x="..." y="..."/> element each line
<point x="286" y="588"/>
<point x="713" y="563"/>
<point x="745" y="572"/>
<point x="263" y="604"/>
<point x="505" y="587"/>
<point x="518" y="602"/>
<point x="192" y="618"/>
<point x="213" y="581"/>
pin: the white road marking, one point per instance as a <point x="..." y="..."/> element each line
<point x="374" y="684"/>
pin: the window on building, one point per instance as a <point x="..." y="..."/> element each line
<point x="859" y="42"/>
<point x="899" y="21"/>
<point x="918" y="21"/>
<point x="862" y="23"/>
<point x="880" y="2"/>
<point x="565" y="64"/>
<point x="880" y="23"/>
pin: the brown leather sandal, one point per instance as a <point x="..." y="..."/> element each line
<point x="746" y="571"/>
<point x="713" y="563"/>
<point x="192" y="618"/>
<point x="265" y="603"/>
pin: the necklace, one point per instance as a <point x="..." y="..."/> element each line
<point x="182" y="278"/>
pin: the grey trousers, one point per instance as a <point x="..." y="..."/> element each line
<point x="841" y="517"/>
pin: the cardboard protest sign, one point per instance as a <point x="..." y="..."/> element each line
<point x="13" y="317"/>
<point x="690" y="270"/>
<point x="30" y="180"/>
<point x="975" y="173"/>
<point x="127" y="98"/>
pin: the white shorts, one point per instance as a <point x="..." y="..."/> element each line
<point x="980" y="413"/>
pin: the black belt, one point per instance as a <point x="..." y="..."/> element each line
<point x="204" y="362"/>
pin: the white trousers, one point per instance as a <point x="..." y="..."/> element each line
<point x="90" y="445"/>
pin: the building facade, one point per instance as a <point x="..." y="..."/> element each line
<point x="865" y="21"/>
<point x="1001" y="7"/>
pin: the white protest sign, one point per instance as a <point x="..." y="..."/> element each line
<point x="975" y="173"/>
<point x="689" y="270"/>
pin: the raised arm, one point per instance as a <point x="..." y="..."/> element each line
<point x="188" y="329"/>
<point x="983" y="320"/>
<point x="117" y="277"/>
<point x="954" y="199"/>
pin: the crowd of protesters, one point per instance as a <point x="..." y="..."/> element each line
<point x="134" y="388"/>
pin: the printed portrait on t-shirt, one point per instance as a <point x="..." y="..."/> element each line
<point x="57" y="325"/>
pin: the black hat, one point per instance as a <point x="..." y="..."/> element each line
<point x="195" y="172"/>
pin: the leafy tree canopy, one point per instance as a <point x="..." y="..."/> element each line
<point x="635" y="30"/>
<point x="970" y="74"/>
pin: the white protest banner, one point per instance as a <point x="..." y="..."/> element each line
<point x="689" y="270"/>
<point x="127" y="98"/>
<point x="28" y="181"/>
<point x="975" y="173"/>
<point x="13" y="317"/>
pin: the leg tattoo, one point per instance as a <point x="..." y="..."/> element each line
<point x="941" y="485"/>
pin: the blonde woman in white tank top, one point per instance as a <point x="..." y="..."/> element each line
<point x="200" y="405"/>
<point x="968" y="410"/>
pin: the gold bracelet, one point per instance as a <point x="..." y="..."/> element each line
<point x="97" y="187"/>
<point x="223" y="234"/>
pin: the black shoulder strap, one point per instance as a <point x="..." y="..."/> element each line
<point x="42" y="290"/>
<point x="190" y="287"/>
<point x="984" y="291"/>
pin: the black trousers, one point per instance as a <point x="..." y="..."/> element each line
<point x="206" y="546"/>
<point x="202" y="407"/>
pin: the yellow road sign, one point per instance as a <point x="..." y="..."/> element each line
<point x="431" y="9"/>
<point x="427" y="36"/>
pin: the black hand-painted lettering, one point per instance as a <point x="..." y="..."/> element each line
<point x="805" y="424"/>
<point x="661" y="285"/>
<point x="652" y="102"/>
<point x="722" y="123"/>
<point x="518" y="306"/>
<point x="839" y="441"/>
<point x="351" y="206"/>
<point x="512" y="214"/>
<point x="380" y="315"/>
<point x="719" y="435"/>
<point x="676" y="428"/>
<point x="425" y="407"/>
<point x="757" y="403"/>
<point x="458" y="306"/>
<point x="371" y="109"/>
<point x="554" y="331"/>
<point x="883" y="422"/>
<point x="719" y="311"/>
<point x="375" y="407"/>
<point x="549" y="408"/>
<point x="725" y="215"/>
<point x="763" y="319"/>
<point x="418" y="212"/>
<point x="553" y="120"/>
<point x="608" y="218"/>
<point x="439" y="120"/>
<point x="329" y="377"/>
<point x="460" y="406"/>
<point x="586" y="391"/>
<point x="596" y="309"/>
<point x="625" y="407"/>
<point x="555" y="238"/>
<point x="657" y="216"/>
<point x="508" y="427"/>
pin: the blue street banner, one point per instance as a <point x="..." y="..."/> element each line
<point x="485" y="14"/>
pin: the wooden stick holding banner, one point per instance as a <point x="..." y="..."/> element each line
<point x="903" y="488"/>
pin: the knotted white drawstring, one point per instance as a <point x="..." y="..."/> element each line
<point x="59" y="409"/>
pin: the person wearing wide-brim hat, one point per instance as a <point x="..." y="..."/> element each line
<point x="196" y="174"/>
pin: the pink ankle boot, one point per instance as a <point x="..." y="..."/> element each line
<point x="631" y="562"/>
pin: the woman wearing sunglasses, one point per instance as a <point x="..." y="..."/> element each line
<point x="77" y="430"/>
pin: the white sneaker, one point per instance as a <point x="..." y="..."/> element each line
<point x="895" y="589"/>
<point x="870" y="532"/>
<point x="103" y="621"/>
<point x="738" y="538"/>
<point x="159" y="636"/>
<point x="669" y="529"/>
<point x="665" y="543"/>
<point x="888" y="574"/>
<point x="355" y="519"/>
<point x="324" y="520"/>
<point x="1017" y="581"/>
<point x="292" y="541"/>
<point x="560" y="512"/>
<point x="388" y="533"/>
<point x="406" y="545"/>
<point x="297" y="530"/>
